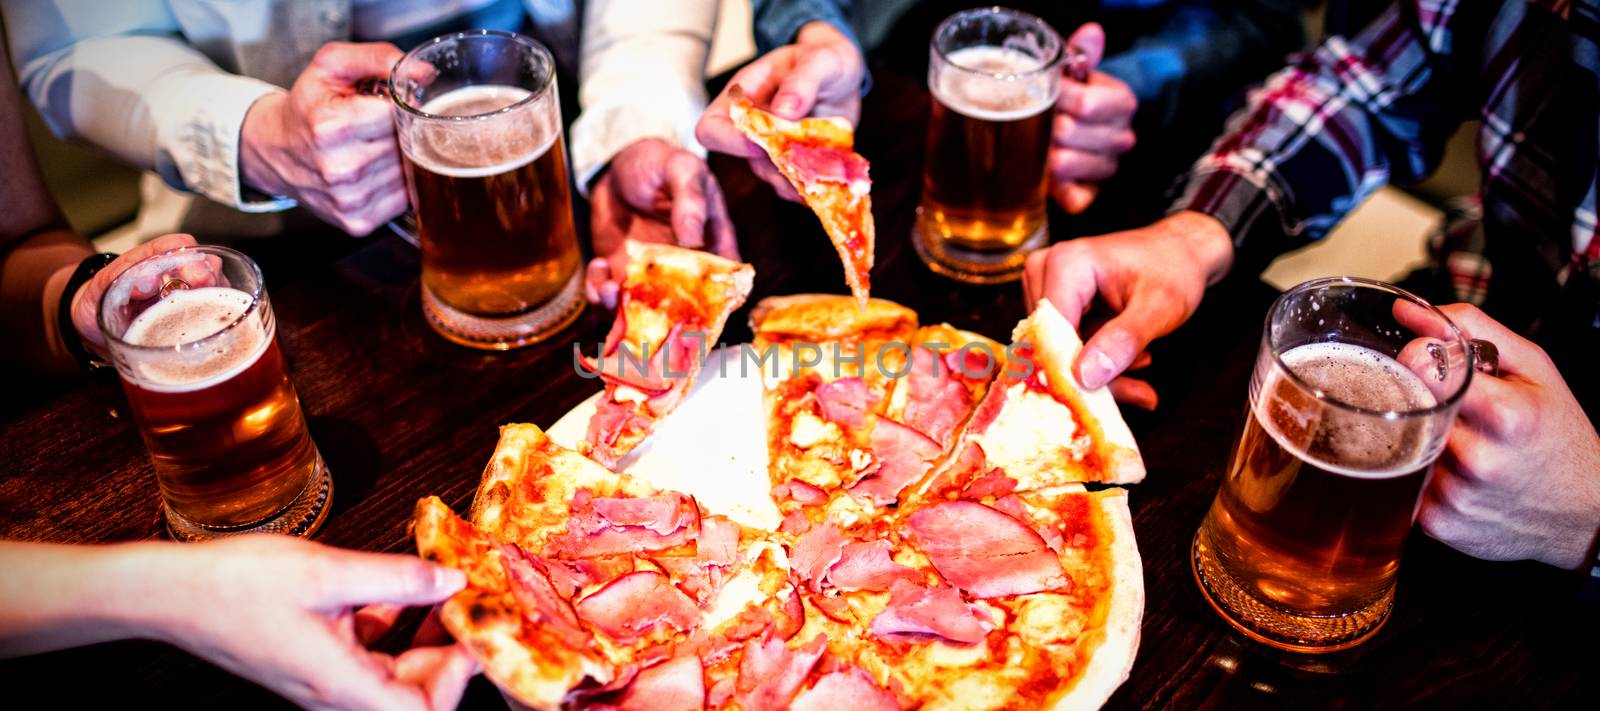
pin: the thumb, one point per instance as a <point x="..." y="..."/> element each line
<point x="352" y="578"/>
<point x="347" y="63"/>
<point x="1090" y="39"/>
<point x="1115" y="346"/>
<point x="798" y="90"/>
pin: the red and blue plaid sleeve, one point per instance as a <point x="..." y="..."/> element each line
<point x="1324" y="133"/>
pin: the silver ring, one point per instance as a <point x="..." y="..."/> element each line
<point x="1485" y="357"/>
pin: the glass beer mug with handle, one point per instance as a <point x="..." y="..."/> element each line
<point x="192" y="334"/>
<point x="1355" y="388"/>
<point x="995" y="75"/>
<point x="479" y="125"/>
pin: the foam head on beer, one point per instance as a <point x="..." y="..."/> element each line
<point x="1354" y="444"/>
<point x="994" y="83"/>
<point x="490" y="146"/>
<point x="186" y="317"/>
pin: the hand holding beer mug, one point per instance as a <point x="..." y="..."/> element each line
<point x="479" y="124"/>
<point x="1355" y="389"/>
<point x="192" y="334"/>
<point x="995" y="76"/>
<point x="1093" y="124"/>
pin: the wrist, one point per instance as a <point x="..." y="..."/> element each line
<point x="1205" y="239"/>
<point x="819" y="32"/>
<point x="257" y="135"/>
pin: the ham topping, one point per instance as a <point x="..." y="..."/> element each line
<point x="866" y="565"/>
<point x="905" y="455"/>
<point x="718" y="543"/>
<point x="983" y="551"/>
<point x="917" y="611"/>
<point x="771" y="673"/>
<point x="630" y="606"/>
<point x="845" y="401"/>
<point x="541" y="605"/>
<point x="938" y="400"/>
<point x="607" y="526"/>
<point x="815" y="163"/>
<point x="677" y="684"/>
<point x="845" y="689"/>
<point x="816" y="552"/>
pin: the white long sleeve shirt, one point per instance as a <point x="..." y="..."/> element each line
<point x="166" y="84"/>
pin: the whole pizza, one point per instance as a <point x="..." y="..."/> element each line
<point x="936" y="548"/>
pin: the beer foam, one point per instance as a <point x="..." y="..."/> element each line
<point x="1358" y="445"/>
<point x="186" y="316"/>
<point x="479" y="149"/>
<point x="982" y="96"/>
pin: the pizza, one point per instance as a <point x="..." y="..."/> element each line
<point x="818" y="157"/>
<point x="670" y="310"/>
<point x="937" y="576"/>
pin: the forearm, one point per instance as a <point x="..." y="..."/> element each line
<point x="57" y="596"/>
<point x="33" y="274"/>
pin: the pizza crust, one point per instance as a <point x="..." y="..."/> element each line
<point x="827" y="317"/>
<point x="1112" y="661"/>
<point x="1056" y="347"/>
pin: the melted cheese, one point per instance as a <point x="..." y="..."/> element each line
<point x="807" y="430"/>
<point x="1030" y="432"/>
<point x="624" y="393"/>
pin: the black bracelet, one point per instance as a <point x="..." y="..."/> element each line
<point x="90" y="266"/>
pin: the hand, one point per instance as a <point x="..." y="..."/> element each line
<point x="1150" y="279"/>
<point x="1520" y="474"/>
<point x="86" y="303"/>
<point x="326" y="145"/>
<point x="1092" y="127"/>
<point x="653" y="191"/>
<point x="280" y="612"/>
<point x="819" y="75"/>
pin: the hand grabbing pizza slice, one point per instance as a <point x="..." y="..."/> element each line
<point x="818" y="158"/>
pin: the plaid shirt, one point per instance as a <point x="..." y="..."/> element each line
<point x="1354" y="114"/>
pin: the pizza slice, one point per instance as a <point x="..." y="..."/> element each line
<point x="671" y="310"/>
<point x="826" y="378"/>
<point x="817" y="156"/>
<point x="1036" y="427"/>
<point x="949" y="373"/>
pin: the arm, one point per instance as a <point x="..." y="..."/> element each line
<point x="1202" y="50"/>
<point x="642" y="75"/>
<point x="119" y="77"/>
<point x="38" y="252"/>
<point x="778" y="22"/>
<point x="1384" y="103"/>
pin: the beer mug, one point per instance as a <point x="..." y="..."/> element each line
<point x="1355" y="388"/>
<point x="192" y="334"/>
<point x="994" y="74"/>
<point x="479" y="125"/>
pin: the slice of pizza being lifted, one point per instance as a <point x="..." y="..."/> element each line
<point x="671" y="310"/>
<point x="817" y="156"/>
<point x="1036" y="427"/>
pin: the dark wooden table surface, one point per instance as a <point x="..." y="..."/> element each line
<point x="399" y="413"/>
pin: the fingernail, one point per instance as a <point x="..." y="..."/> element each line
<point x="786" y="104"/>
<point x="1095" y="369"/>
<point x="447" y="579"/>
<point x="608" y="295"/>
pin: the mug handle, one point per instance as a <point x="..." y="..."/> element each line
<point x="404" y="224"/>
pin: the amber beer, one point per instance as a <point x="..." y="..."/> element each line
<point x="210" y="391"/>
<point x="486" y="171"/>
<point x="994" y="75"/>
<point x="1303" y="542"/>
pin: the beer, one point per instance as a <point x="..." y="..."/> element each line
<point x="1313" y="513"/>
<point x="985" y="182"/>
<point x="224" y="428"/>
<point x="478" y="119"/>
<point x="492" y="206"/>
<point x="994" y="75"/>
<point x="1351" y="400"/>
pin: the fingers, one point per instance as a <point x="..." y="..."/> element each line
<point x="723" y="240"/>
<point x="799" y="88"/>
<point x="1090" y="39"/>
<point x="348" y="63"/>
<point x="329" y="672"/>
<point x="346" y="578"/>
<point x="1067" y="164"/>
<point x="1135" y="392"/>
<point x="1113" y="348"/>
<point x="371" y="623"/>
<point x="1073" y="132"/>
<point x="1074" y="197"/>
<point x="1067" y="277"/>
<point x="1499" y="409"/>
<point x="686" y="178"/>
<point x="716" y="130"/>
<point x="86" y="303"/>
<point x="1518" y="355"/>
<point x="441" y="673"/>
<point x="1102" y="99"/>
<point x="600" y="287"/>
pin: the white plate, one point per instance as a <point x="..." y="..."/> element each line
<point x="713" y="447"/>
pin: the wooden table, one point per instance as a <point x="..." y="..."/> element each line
<point x="399" y="414"/>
